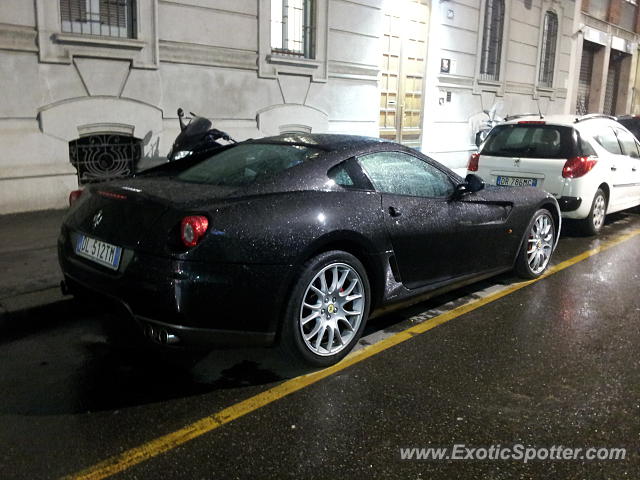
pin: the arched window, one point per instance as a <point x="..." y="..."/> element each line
<point x="492" y="40"/>
<point x="548" y="53"/>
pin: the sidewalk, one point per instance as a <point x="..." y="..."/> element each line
<point x="29" y="271"/>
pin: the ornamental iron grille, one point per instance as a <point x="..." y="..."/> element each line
<point x="102" y="157"/>
<point x="492" y="40"/>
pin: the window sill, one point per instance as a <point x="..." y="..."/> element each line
<point x="490" y="83"/>
<point x="292" y="61"/>
<point x="97" y="41"/>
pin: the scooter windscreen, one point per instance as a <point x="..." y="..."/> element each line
<point x="190" y="138"/>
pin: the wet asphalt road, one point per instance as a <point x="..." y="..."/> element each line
<point x="555" y="363"/>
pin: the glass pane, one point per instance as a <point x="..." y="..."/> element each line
<point x="492" y="40"/>
<point x="402" y="174"/>
<point x="628" y="143"/>
<point x="548" y="55"/>
<point x="247" y="163"/>
<point x="530" y="141"/>
<point x="608" y="140"/>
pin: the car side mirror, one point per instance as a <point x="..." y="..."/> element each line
<point x="475" y="182"/>
<point x="472" y="183"/>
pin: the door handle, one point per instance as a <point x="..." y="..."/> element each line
<point x="633" y="169"/>
<point x="613" y="169"/>
<point x="394" y="212"/>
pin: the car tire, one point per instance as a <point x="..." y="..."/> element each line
<point x="537" y="246"/>
<point x="320" y="330"/>
<point x="595" y="220"/>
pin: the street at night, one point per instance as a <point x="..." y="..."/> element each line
<point x="552" y="363"/>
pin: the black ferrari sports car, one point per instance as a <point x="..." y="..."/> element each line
<point x="295" y="241"/>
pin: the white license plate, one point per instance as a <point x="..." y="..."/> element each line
<point x="516" y="182"/>
<point x="100" y="252"/>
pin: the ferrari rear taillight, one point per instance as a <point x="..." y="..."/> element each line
<point x="193" y="229"/>
<point x="474" y="161"/>
<point x="74" y="196"/>
<point x="578" y="166"/>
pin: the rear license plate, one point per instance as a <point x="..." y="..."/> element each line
<point x="516" y="182"/>
<point x="100" y="252"/>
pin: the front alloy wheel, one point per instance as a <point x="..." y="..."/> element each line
<point x="537" y="248"/>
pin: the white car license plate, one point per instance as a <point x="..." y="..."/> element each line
<point x="503" y="181"/>
<point x="100" y="252"/>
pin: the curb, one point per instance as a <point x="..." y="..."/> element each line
<point x="25" y="304"/>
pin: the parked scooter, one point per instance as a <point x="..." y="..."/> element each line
<point x="197" y="136"/>
<point x="487" y="124"/>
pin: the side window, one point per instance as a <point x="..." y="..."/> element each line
<point x="402" y="174"/>
<point x="586" y="148"/>
<point x="348" y="175"/>
<point x="628" y="143"/>
<point x="608" y="140"/>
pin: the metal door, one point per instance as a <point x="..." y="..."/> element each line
<point x="584" y="82"/>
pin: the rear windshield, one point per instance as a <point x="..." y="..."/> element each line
<point x="247" y="163"/>
<point x="532" y="141"/>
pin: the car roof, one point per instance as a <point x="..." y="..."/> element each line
<point x="323" y="141"/>
<point x="562" y="120"/>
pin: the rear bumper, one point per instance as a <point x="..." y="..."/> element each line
<point x="171" y="333"/>
<point x="204" y="304"/>
<point x="569" y="204"/>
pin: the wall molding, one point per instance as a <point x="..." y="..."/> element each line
<point x="21" y="39"/>
<point x="353" y="71"/>
<point x="194" y="54"/>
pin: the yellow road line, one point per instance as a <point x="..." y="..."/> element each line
<point x="153" y="448"/>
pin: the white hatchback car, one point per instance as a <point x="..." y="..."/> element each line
<point x="591" y="164"/>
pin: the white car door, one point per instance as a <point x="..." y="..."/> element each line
<point x="629" y="168"/>
<point x="612" y="170"/>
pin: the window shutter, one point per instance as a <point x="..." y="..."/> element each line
<point x="73" y="10"/>
<point x="113" y="13"/>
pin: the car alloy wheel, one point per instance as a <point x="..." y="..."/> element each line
<point x="540" y="243"/>
<point x="332" y="309"/>
<point x="599" y="211"/>
<point x="537" y="246"/>
<point x="593" y="223"/>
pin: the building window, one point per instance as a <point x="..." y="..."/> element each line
<point x="107" y="18"/>
<point x="597" y="8"/>
<point x="548" y="53"/>
<point x="492" y="40"/>
<point x="292" y="27"/>
<point x="628" y="14"/>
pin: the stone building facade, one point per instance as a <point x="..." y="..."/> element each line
<point x="512" y="56"/>
<point x="606" y="57"/>
<point x="98" y="80"/>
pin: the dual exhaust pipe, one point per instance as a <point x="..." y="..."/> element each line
<point x="160" y="335"/>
